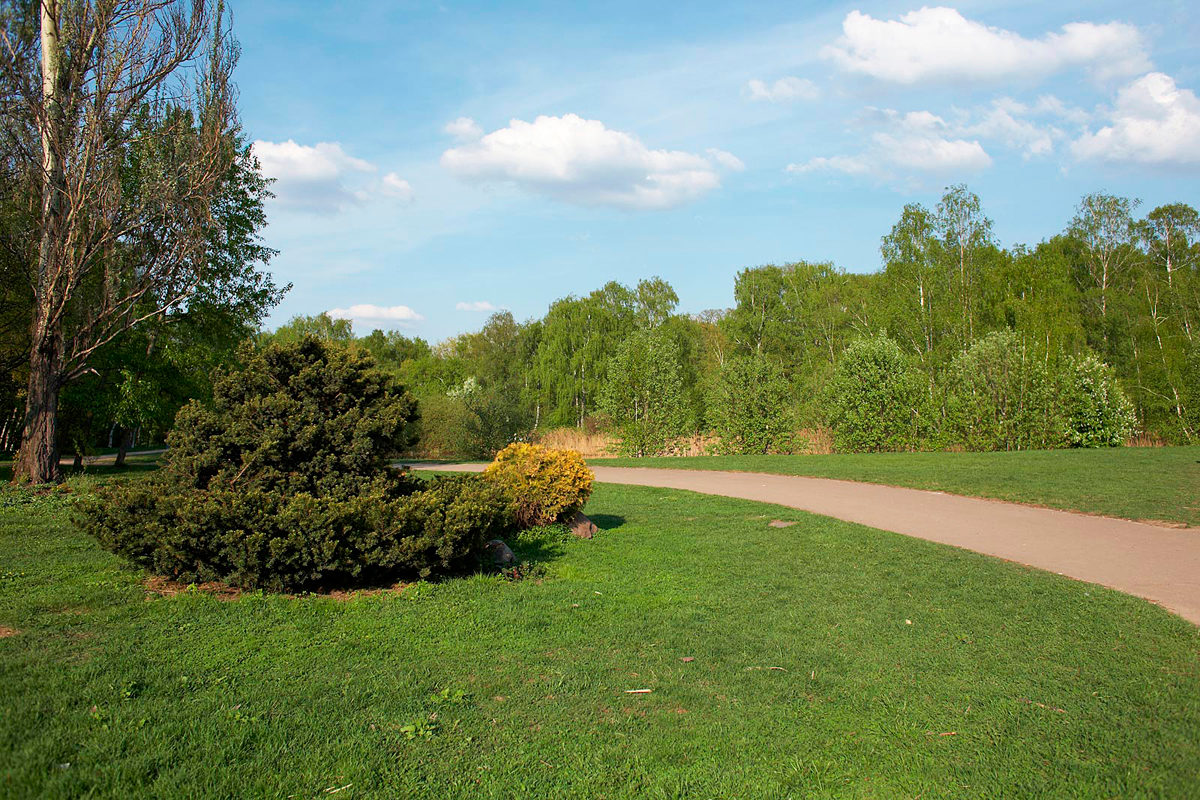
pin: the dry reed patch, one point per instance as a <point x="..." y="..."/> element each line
<point x="588" y="445"/>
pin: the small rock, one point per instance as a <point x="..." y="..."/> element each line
<point x="500" y="553"/>
<point x="581" y="526"/>
<point x="778" y="523"/>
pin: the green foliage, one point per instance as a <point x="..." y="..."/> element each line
<point x="750" y="407"/>
<point x="542" y="485"/>
<point x="876" y="399"/>
<point x="307" y="417"/>
<point x="1191" y="390"/>
<point x="645" y="394"/>
<point x="1000" y="397"/>
<point x="1098" y="413"/>
<point x="442" y="429"/>
<point x="319" y="326"/>
<point x="262" y="539"/>
<point x="283" y="484"/>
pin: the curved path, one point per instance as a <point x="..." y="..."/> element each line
<point x="1159" y="564"/>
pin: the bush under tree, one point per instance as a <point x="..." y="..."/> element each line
<point x="644" y="395"/>
<point x="1098" y="412"/>
<point x="1000" y="396"/>
<point x="750" y="406"/>
<point x="876" y="399"/>
<point x="283" y="483"/>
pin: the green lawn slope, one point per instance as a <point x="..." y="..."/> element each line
<point x="1143" y="483"/>
<point x="819" y="660"/>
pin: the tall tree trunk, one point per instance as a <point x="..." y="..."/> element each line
<point x="37" y="461"/>
<point x="126" y="442"/>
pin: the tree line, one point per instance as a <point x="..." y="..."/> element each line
<point x="972" y="327"/>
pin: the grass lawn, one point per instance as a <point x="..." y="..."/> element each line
<point x="782" y="663"/>
<point x="1149" y="483"/>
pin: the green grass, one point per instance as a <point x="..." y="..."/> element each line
<point x="807" y="680"/>
<point x="1145" y="483"/>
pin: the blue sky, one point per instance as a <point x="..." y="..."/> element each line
<point x="437" y="160"/>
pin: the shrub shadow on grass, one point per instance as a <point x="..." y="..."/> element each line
<point x="538" y="551"/>
<point x="607" y="522"/>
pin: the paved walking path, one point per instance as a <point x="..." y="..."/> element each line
<point x="1159" y="564"/>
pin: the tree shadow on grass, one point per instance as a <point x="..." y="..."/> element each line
<point x="607" y="522"/>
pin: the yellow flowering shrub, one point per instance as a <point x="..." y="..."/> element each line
<point x="542" y="485"/>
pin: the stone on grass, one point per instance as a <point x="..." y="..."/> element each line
<point x="500" y="554"/>
<point x="581" y="526"/>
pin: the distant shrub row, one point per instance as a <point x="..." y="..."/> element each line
<point x="996" y="395"/>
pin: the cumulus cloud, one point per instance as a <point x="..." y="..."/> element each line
<point x="311" y="177"/>
<point x="324" y="178"/>
<point x="783" y="90"/>
<point x="916" y="142"/>
<point x="464" y="128"/>
<point x="1008" y="121"/>
<point x="396" y="187"/>
<point x="1153" y="122"/>
<point x="581" y="161"/>
<point x="475" y="305"/>
<point x="940" y="44"/>
<point x="368" y="313"/>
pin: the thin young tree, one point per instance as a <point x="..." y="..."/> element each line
<point x="1103" y="225"/>
<point x="965" y="231"/>
<point x="133" y="130"/>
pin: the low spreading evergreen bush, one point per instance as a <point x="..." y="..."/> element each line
<point x="542" y="485"/>
<point x="282" y="483"/>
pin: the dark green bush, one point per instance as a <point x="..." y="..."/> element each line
<point x="305" y="417"/>
<point x="267" y="540"/>
<point x="283" y="484"/>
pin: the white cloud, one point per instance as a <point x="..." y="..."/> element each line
<point x="464" y="129"/>
<point x="851" y="165"/>
<point x="581" y="161"/>
<point x="1154" y="121"/>
<point x="916" y="142"/>
<point x="783" y="90"/>
<point x="311" y="178"/>
<point x="1006" y="121"/>
<point x="368" y="313"/>
<point x="726" y="160"/>
<point x="940" y="44"/>
<point x="324" y="178"/>
<point x="476" y="305"/>
<point x="397" y="188"/>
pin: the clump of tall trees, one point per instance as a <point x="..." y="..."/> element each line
<point x="130" y="208"/>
